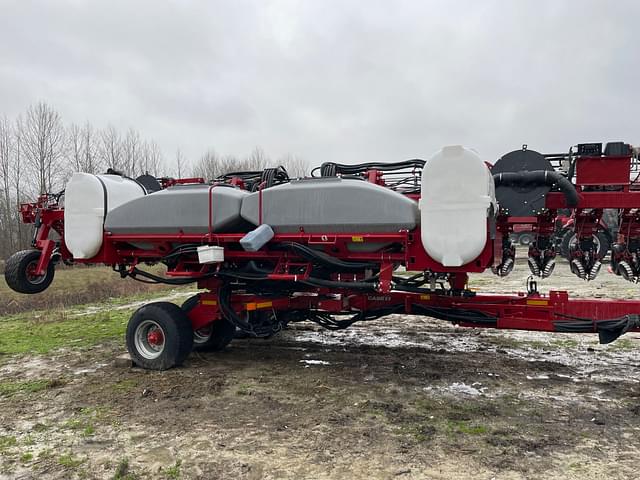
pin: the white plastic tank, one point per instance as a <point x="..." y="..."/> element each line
<point x="88" y="198"/>
<point x="457" y="197"/>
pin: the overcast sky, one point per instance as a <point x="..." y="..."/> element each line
<point x="346" y="81"/>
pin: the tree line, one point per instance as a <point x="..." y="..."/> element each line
<point x="39" y="153"/>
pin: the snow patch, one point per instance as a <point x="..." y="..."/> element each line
<point x="315" y="362"/>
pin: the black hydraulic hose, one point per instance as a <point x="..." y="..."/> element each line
<point x="331" y="169"/>
<point x="539" y="177"/>
<point x="328" y="260"/>
<point x="608" y="329"/>
<point x="311" y="281"/>
<point x="412" y="289"/>
<point x="455" y="314"/>
<point x="169" y="281"/>
<point x="327" y="321"/>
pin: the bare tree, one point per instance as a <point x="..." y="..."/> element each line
<point x="43" y="142"/>
<point x="208" y="166"/>
<point x="82" y="149"/>
<point x="229" y="163"/>
<point x="257" y="160"/>
<point x="111" y="149"/>
<point x="37" y="152"/>
<point x="91" y="160"/>
<point x="179" y="163"/>
<point x="155" y="160"/>
<point x="132" y="150"/>
<point x="296" y="166"/>
<point x="74" y="144"/>
<point x="6" y="205"/>
<point x="151" y="159"/>
<point x="212" y="165"/>
<point x="17" y="179"/>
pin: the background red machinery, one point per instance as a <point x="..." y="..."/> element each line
<point x="260" y="292"/>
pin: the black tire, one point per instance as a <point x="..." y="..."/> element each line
<point x="605" y="244"/>
<point x="168" y="321"/>
<point x="16" y="272"/>
<point x="525" y="239"/>
<point x="601" y="239"/>
<point x="565" y="240"/>
<point x="214" y="337"/>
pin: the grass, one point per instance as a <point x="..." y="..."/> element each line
<point x="10" y="388"/>
<point x="623" y="344"/>
<point x="26" y="457"/>
<point x="45" y="454"/>
<point x="504" y="341"/>
<point x="554" y="344"/>
<point x="466" y="427"/>
<point x="422" y="432"/>
<point x="446" y="418"/>
<point x="124" y="385"/>
<point x="244" y="390"/>
<point x="69" y="461"/>
<point x="123" y="471"/>
<point x="43" y="323"/>
<point x="6" y="442"/>
<point x="173" y="472"/>
<point x="22" y="334"/>
<point x="85" y="420"/>
<point x="77" y="285"/>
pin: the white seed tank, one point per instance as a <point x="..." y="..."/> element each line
<point x="457" y="198"/>
<point x="88" y="199"/>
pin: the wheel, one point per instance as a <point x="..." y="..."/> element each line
<point x="19" y="270"/>
<point x="605" y="244"/>
<point x="525" y="239"/>
<point x="215" y="336"/>
<point x="159" y="336"/>
<point x="600" y="241"/>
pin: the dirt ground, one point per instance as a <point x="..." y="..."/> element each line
<point x="401" y="397"/>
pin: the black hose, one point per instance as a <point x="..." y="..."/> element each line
<point x="327" y="320"/>
<point x="311" y="281"/>
<point x="539" y="177"/>
<point x="169" y="281"/>
<point x="456" y="315"/>
<point x="331" y="169"/>
<point x="254" y="178"/>
<point x="608" y="329"/>
<point x="327" y="260"/>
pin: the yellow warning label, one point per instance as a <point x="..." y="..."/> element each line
<point x="357" y="239"/>
<point x="538" y="302"/>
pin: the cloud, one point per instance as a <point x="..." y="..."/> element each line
<point x="345" y="81"/>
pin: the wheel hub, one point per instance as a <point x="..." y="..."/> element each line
<point x="155" y="338"/>
<point x="149" y="339"/>
<point x="31" y="273"/>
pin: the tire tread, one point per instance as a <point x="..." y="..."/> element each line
<point x="175" y="324"/>
<point x="15" y="272"/>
